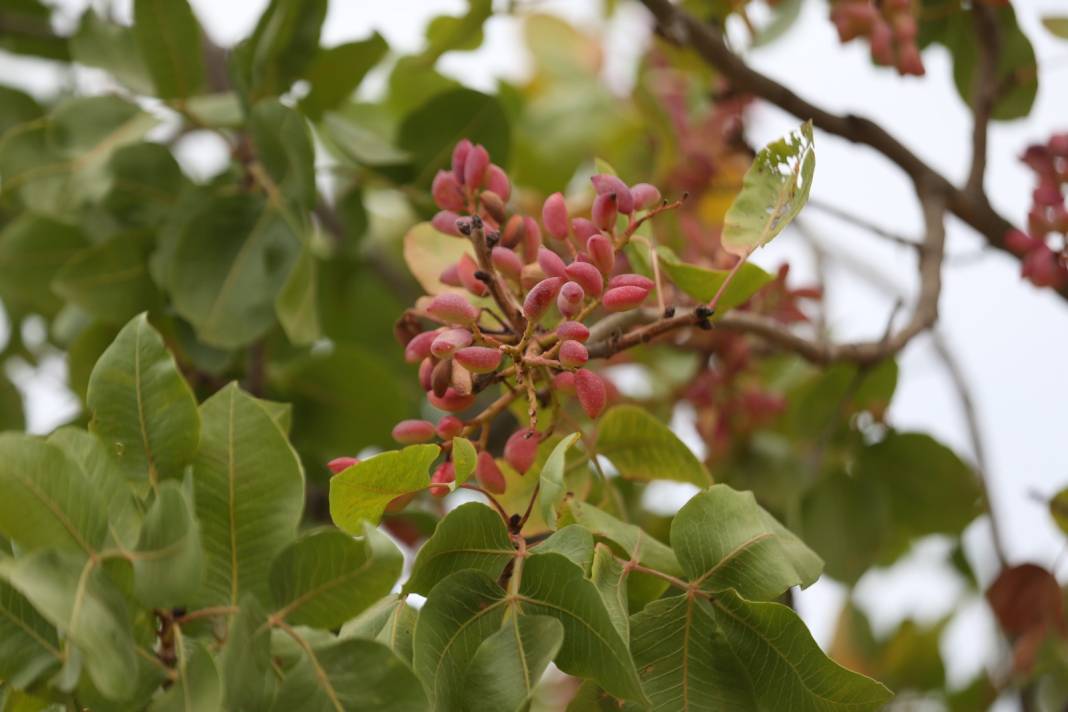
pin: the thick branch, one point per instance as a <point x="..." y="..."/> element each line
<point x="984" y="91"/>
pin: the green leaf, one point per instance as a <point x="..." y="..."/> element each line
<point x="461" y="611"/>
<point x="112" y="47"/>
<point x="1058" y="509"/>
<point x="169" y="560"/>
<point x="297" y="304"/>
<point x="472" y="536"/>
<point x="360" y="493"/>
<point x="284" y="146"/>
<point x="427" y="252"/>
<point x="509" y="663"/>
<point x="33" y="249"/>
<point x="552" y="479"/>
<point x="774" y="190"/>
<point x="285" y="41"/>
<point x="232" y="259"/>
<point x="430" y="132"/>
<point x="643" y="448"/>
<point x="702" y="284"/>
<point x="725" y="540"/>
<point x="281" y="413"/>
<point x="142" y="408"/>
<point x="786" y="668"/>
<point x="47" y="501"/>
<point x="446" y="33"/>
<point x="249" y="495"/>
<point x="146" y="182"/>
<point x="350" y="674"/>
<point x="1058" y="26"/>
<point x="78" y="598"/>
<point x="610" y="578"/>
<point x="847" y="522"/>
<point x="592" y="648"/>
<point x="110" y="280"/>
<point x="573" y="542"/>
<point x="245" y="660"/>
<point x="12" y="416"/>
<point x="631" y="540"/>
<point x="684" y="660"/>
<point x="326" y="577"/>
<point x="28" y="30"/>
<point x="391" y="622"/>
<point x="28" y="643"/>
<point x="464" y="460"/>
<point x="198" y="687"/>
<point x="337" y="71"/>
<point x="169" y="37"/>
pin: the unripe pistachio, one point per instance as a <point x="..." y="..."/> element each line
<point x="444" y="475"/>
<point x="446" y="190"/>
<point x="564" y="382"/>
<point x="419" y="347"/>
<point x="514" y="229"/>
<point x="497" y="181"/>
<point x="540" y="297"/>
<point x="604" y="211"/>
<point x="489" y="475"/>
<point x="444" y="222"/>
<point x="478" y="359"/>
<point x="591" y="392"/>
<point x="466" y="269"/>
<point x="409" y="432"/>
<point x="521" y="449"/>
<point x="449" y="340"/>
<point x="631" y="280"/>
<point x="449" y="427"/>
<point x="506" y="261"/>
<point x="602" y="253"/>
<point x="644" y="195"/>
<point x="551" y="263"/>
<point x="623" y="298"/>
<point x="451" y="401"/>
<point x="573" y="331"/>
<point x="573" y="354"/>
<point x="426" y="371"/>
<point x="583" y="228"/>
<point x="475" y="164"/>
<point x="452" y="308"/>
<point x="554" y="216"/>
<point x="493" y="205"/>
<point x="339" y="464"/>
<point x="459" y="157"/>
<point x="586" y="275"/>
<point x="605" y="183"/>
<point x="569" y="301"/>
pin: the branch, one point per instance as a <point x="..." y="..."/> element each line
<point x="984" y="91"/>
<point x="973" y="207"/>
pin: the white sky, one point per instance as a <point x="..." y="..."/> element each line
<point x="1011" y="339"/>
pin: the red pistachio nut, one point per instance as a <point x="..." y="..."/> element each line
<point x="444" y="475"/>
<point x="521" y="449"/>
<point x="573" y="354"/>
<point x="466" y="268"/>
<point x="551" y="263"/>
<point x="531" y="239"/>
<point x="478" y="359"/>
<point x="452" y="308"/>
<point x="602" y="253"/>
<point x="506" y="262"/>
<point x="591" y="392"/>
<point x="475" y="164"/>
<point x="564" y="382"/>
<point x="497" y="181"/>
<point x="339" y="464"/>
<point x="604" y="211"/>
<point x="449" y="340"/>
<point x="540" y="297"/>
<point x="631" y="280"/>
<point x="569" y="301"/>
<point x="426" y="369"/>
<point x="620" y="299"/>
<point x="644" y="195"/>
<point x="489" y="475"/>
<point x="409" y="432"/>
<point x="451" y="276"/>
<point x="447" y="192"/>
<point x="605" y="183"/>
<point x="419" y="347"/>
<point x="449" y="427"/>
<point x="554" y="216"/>
<point x="583" y="228"/>
<point x="445" y="222"/>
<point x="493" y="206"/>
<point x="573" y="331"/>
<point x="513" y="232"/>
<point x="459" y="158"/>
<point x="588" y="276"/>
<point x="451" y="401"/>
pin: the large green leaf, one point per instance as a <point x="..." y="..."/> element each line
<point x="684" y="660"/>
<point x="283" y="145"/>
<point x="472" y="536"/>
<point x="360" y="493"/>
<point x="786" y="668"/>
<point x="112" y="47"/>
<point x="610" y="578"/>
<point x="336" y="72"/>
<point x="774" y="190"/>
<point x="725" y="540"/>
<point x="245" y="660"/>
<point x="198" y="687"/>
<point x="110" y="280"/>
<point x="1057" y="25"/>
<point x="33" y="249"/>
<point x="296" y="304"/>
<point x="326" y="577"/>
<point x="146" y="184"/>
<point x="643" y="448"/>
<point x="593" y="648"/>
<point x="509" y="663"/>
<point x="47" y="501"/>
<point x="630" y="539"/>
<point x="350" y="674"/>
<point x="551" y="479"/>
<point x="28" y="643"/>
<point x="461" y="611"/>
<point x="169" y="37"/>
<point x="847" y="522"/>
<point x="169" y="560"/>
<point x="391" y="622"/>
<point x="78" y="598"/>
<point x="142" y="407"/>
<point x="573" y="542"/>
<point x="249" y="494"/>
<point x="285" y="41"/>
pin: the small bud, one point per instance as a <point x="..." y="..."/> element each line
<point x="449" y="427"/>
<point x="478" y="359"/>
<point x="339" y="464"/>
<point x="541" y="297"/>
<point x="554" y="216"/>
<point x="444" y="475"/>
<point x="447" y="193"/>
<point x="459" y="157"/>
<point x="569" y="301"/>
<point x="602" y="253"/>
<point x="573" y="331"/>
<point x="513" y="231"/>
<point x="451" y="401"/>
<point x="551" y="263"/>
<point x="445" y="222"/>
<point x="586" y="275"/>
<point x="419" y="347"/>
<point x="489" y="475"/>
<point x="452" y="308"/>
<point x="475" y="164"/>
<point x="449" y="340"/>
<point x="521" y="449"/>
<point x="909" y="61"/>
<point x="409" y="432"/>
<point x="441" y="378"/>
<point x="493" y="206"/>
<point x="644" y="195"/>
<point x="506" y="262"/>
<point x="466" y="269"/>
<point x="583" y="228"/>
<point x="573" y="354"/>
<point x="604" y="211"/>
<point x="497" y="181"/>
<point x="704" y="311"/>
<point x="605" y="183"/>
<point x="531" y="239"/>
<point x="591" y="392"/>
<point x="631" y="280"/>
<point x="564" y="382"/>
<point x="623" y="298"/>
<point x="426" y="371"/>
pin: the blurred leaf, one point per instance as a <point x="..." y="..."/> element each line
<point x="509" y="663"/>
<point x="142" y="408"/>
<point x="169" y="561"/>
<point x="33" y="248"/>
<point x="198" y="687"/>
<point x="11" y="412"/>
<point x="552" y="488"/>
<point x="283" y="145"/>
<point x="337" y="71"/>
<point x="169" y="37"/>
<point x="110" y="280"/>
<point x="1056" y="25"/>
<point x="446" y="33"/>
<point x="16" y="107"/>
<point x="249" y="495"/>
<point x="284" y="43"/>
<point x="846" y="520"/>
<point x="360" y="493"/>
<point x="414" y="81"/>
<point x="358" y="142"/>
<point x="643" y="448"/>
<point x="146" y="181"/>
<point x="297" y="303"/>
<point x="28" y="30"/>
<point x="1058" y="509"/>
<point x="785" y="16"/>
<point x="773" y="192"/>
<point x="111" y="47"/>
